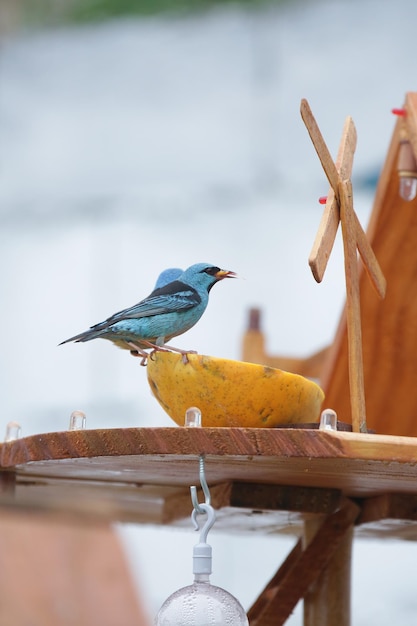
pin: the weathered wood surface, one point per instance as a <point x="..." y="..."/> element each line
<point x="261" y="480"/>
<point x="357" y="464"/>
<point x="327" y="601"/>
<point x="389" y="327"/>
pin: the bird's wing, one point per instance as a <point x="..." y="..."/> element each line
<point x="171" y="298"/>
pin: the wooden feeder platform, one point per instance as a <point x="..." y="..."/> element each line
<point x="322" y="486"/>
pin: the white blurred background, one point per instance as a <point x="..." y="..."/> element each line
<point x="133" y="144"/>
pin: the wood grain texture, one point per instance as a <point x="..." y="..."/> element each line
<point x="358" y="464"/>
<point x="328" y="600"/>
<point x="320" y="146"/>
<point x="410" y="120"/>
<point x="353" y="312"/>
<point x="389" y="327"/>
<point x="329" y="223"/>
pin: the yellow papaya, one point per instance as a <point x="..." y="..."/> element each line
<point x="231" y="393"/>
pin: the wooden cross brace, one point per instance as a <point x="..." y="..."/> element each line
<point x="339" y="208"/>
<point x="302" y="568"/>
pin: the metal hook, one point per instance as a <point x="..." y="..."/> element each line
<point x="211" y="518"/>
<point x="203" y="482"/>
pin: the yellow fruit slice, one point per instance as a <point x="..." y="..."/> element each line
<point x="232" y="393"/>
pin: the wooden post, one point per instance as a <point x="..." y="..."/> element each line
<point x="320" y="572"/>
<point x="353" y="310"/>
<point x="339" y="207"/>
<point x="327" y="602"/>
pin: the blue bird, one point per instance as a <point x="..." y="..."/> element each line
<point x="169" y="311"/>
<point x="167" y="276"/>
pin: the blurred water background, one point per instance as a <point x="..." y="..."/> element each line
<point x="134" y="142"/>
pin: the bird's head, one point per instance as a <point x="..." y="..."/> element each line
<point x="206" y="275"/>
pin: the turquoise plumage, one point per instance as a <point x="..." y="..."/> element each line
<point x="170" y="310"/>
<point x="167" y="276"/>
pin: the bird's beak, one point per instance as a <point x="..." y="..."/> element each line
<point x="225" y="274"/>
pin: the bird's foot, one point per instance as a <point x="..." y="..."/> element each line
<point x="136" y="351"/>
<point x="166" y="348"/>
<point x="184" y="353"/>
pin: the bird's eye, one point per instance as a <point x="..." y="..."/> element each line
<point x="212" y="271"/>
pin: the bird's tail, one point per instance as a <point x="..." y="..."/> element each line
<point x="87" y="335"/>
<point x="92" y="333"/>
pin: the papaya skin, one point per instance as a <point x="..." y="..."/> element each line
<point x="232" y="393"/>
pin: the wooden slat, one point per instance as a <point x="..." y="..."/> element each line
<point x="358" y="464"/>
<point x="267" y="595"/>
<point x="388" y="505"/>
<point x="389" y="516"/>
<point x="410" y="120"/>
<point x="278" y="497"/>
<point x="304" y="568"/>
<point x="353" y="312"/>
<point x="125" y="502"/>
<point x="329" y="224"/>
<point x="320" y="146"/>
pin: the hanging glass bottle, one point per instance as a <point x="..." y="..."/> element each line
<point x="202" y="604"/>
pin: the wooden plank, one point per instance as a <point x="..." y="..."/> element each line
<point x="126" y="502"/>
<point x="358" y="464"/>
<point x="387" y="506"/>
<point x="389" y="515"/>
<point x="127" y="446"/>
<point x="278" y="497"/>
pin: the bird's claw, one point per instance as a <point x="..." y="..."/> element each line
<point x="185" y="354"/>
<point x="136" y="351"/>
<point x="136" y="354"/>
